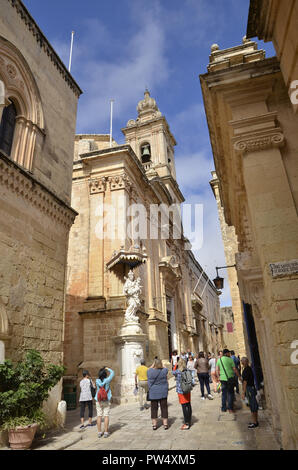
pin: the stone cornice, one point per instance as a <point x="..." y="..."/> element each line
<point x="44" y="44"/>
<point x="261" y="18"/>
<point x="26" y="186"/>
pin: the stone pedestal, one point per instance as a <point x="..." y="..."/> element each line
<point x="130" y="351"/>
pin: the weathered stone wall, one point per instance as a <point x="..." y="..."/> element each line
<point x="34" y="211"/>
<point x="231" y="248"/>
<point x="257" y="170"/>
<point x="58" y="94"/>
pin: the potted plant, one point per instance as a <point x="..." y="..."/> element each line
<point x="23" y="389"/>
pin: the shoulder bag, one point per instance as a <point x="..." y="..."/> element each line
<point x="230" y="380"/>
<point x="93" y="389"/>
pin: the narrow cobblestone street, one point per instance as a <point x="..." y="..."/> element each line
<point x="131" y="429"/>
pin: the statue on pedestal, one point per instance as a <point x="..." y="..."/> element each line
<point x="132" y="289"/>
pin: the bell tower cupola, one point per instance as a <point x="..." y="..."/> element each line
<point x="150" y="137"/>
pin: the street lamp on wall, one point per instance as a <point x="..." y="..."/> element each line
<point x="219" y="281"/>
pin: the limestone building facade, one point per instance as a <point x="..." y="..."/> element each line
<point x="114" y="190"/>
<point x="253" y="132"/>
<point x="38" y="103"/>
<point x="230" y="244"/>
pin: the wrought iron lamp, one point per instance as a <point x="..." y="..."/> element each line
<point x="219" y="281"/>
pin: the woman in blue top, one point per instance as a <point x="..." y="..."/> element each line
<point x="105" y="376"/>
<point x="158" y="392"/>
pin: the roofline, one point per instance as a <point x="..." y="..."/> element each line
<point x="253" y="19"/>
<point x="45" y="44"/>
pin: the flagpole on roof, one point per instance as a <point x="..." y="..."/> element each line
<point x="111" y="122"/>
<point x="70" y="54"/>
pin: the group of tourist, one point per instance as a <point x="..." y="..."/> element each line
<point x="100" y="391"/>
<point x="151" y="384"/>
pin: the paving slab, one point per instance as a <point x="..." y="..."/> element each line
<point x="131" y="429"/>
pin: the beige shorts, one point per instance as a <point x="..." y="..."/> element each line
<point x="103" y="408"/>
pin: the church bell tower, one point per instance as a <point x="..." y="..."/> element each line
<point x="150" y="137"/>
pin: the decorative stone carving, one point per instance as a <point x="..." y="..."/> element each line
<point x="259" y="142"/>
<point x="257" y="297"/>
<point x="98" y="185"/>
<point x="132" y="289"/>
<point x="11" y="71"/>
<point x="214" y="47"/>
<point x="147" y="104"/>
<point x="34" y="193"/>
<point x="20" y="87"/>
<point x="120" y="182"/>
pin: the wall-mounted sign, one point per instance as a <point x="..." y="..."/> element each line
<point x="285" y="268"/>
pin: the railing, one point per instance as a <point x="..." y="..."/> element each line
<point x="147" y="166"/>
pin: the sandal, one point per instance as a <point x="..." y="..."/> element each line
<point x="166" y="426"/>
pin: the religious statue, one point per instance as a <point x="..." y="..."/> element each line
<point x="132" y="289"/>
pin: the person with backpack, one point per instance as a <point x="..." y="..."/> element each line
<point x="184" y="387"/>
<point x="226" y="370"/>
<point x="202" y="366"/>
<point x="86" y="397"/>
<point x="103" y="399"/>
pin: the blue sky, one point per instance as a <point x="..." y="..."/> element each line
<point x="123" y="46"/>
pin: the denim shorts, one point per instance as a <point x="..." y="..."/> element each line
<point x="251" y="395"/>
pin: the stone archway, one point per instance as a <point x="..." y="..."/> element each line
<point x="19" y="87"/>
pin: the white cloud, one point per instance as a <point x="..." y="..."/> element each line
<point x="121" y="71"/>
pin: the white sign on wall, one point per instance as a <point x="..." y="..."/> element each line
<point x="286" y="268"/>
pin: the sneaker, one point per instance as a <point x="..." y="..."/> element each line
<point x="100" y="434"/>
<point x="210" y="396"/>
<point x="253" y="425"/>
<point x="184" y="427"/>
<point x="106" y="434"/>
<point x="202" y="398"/>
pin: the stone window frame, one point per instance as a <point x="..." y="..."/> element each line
<point x="9" y="114"/>
<point x="18" y="85"/>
